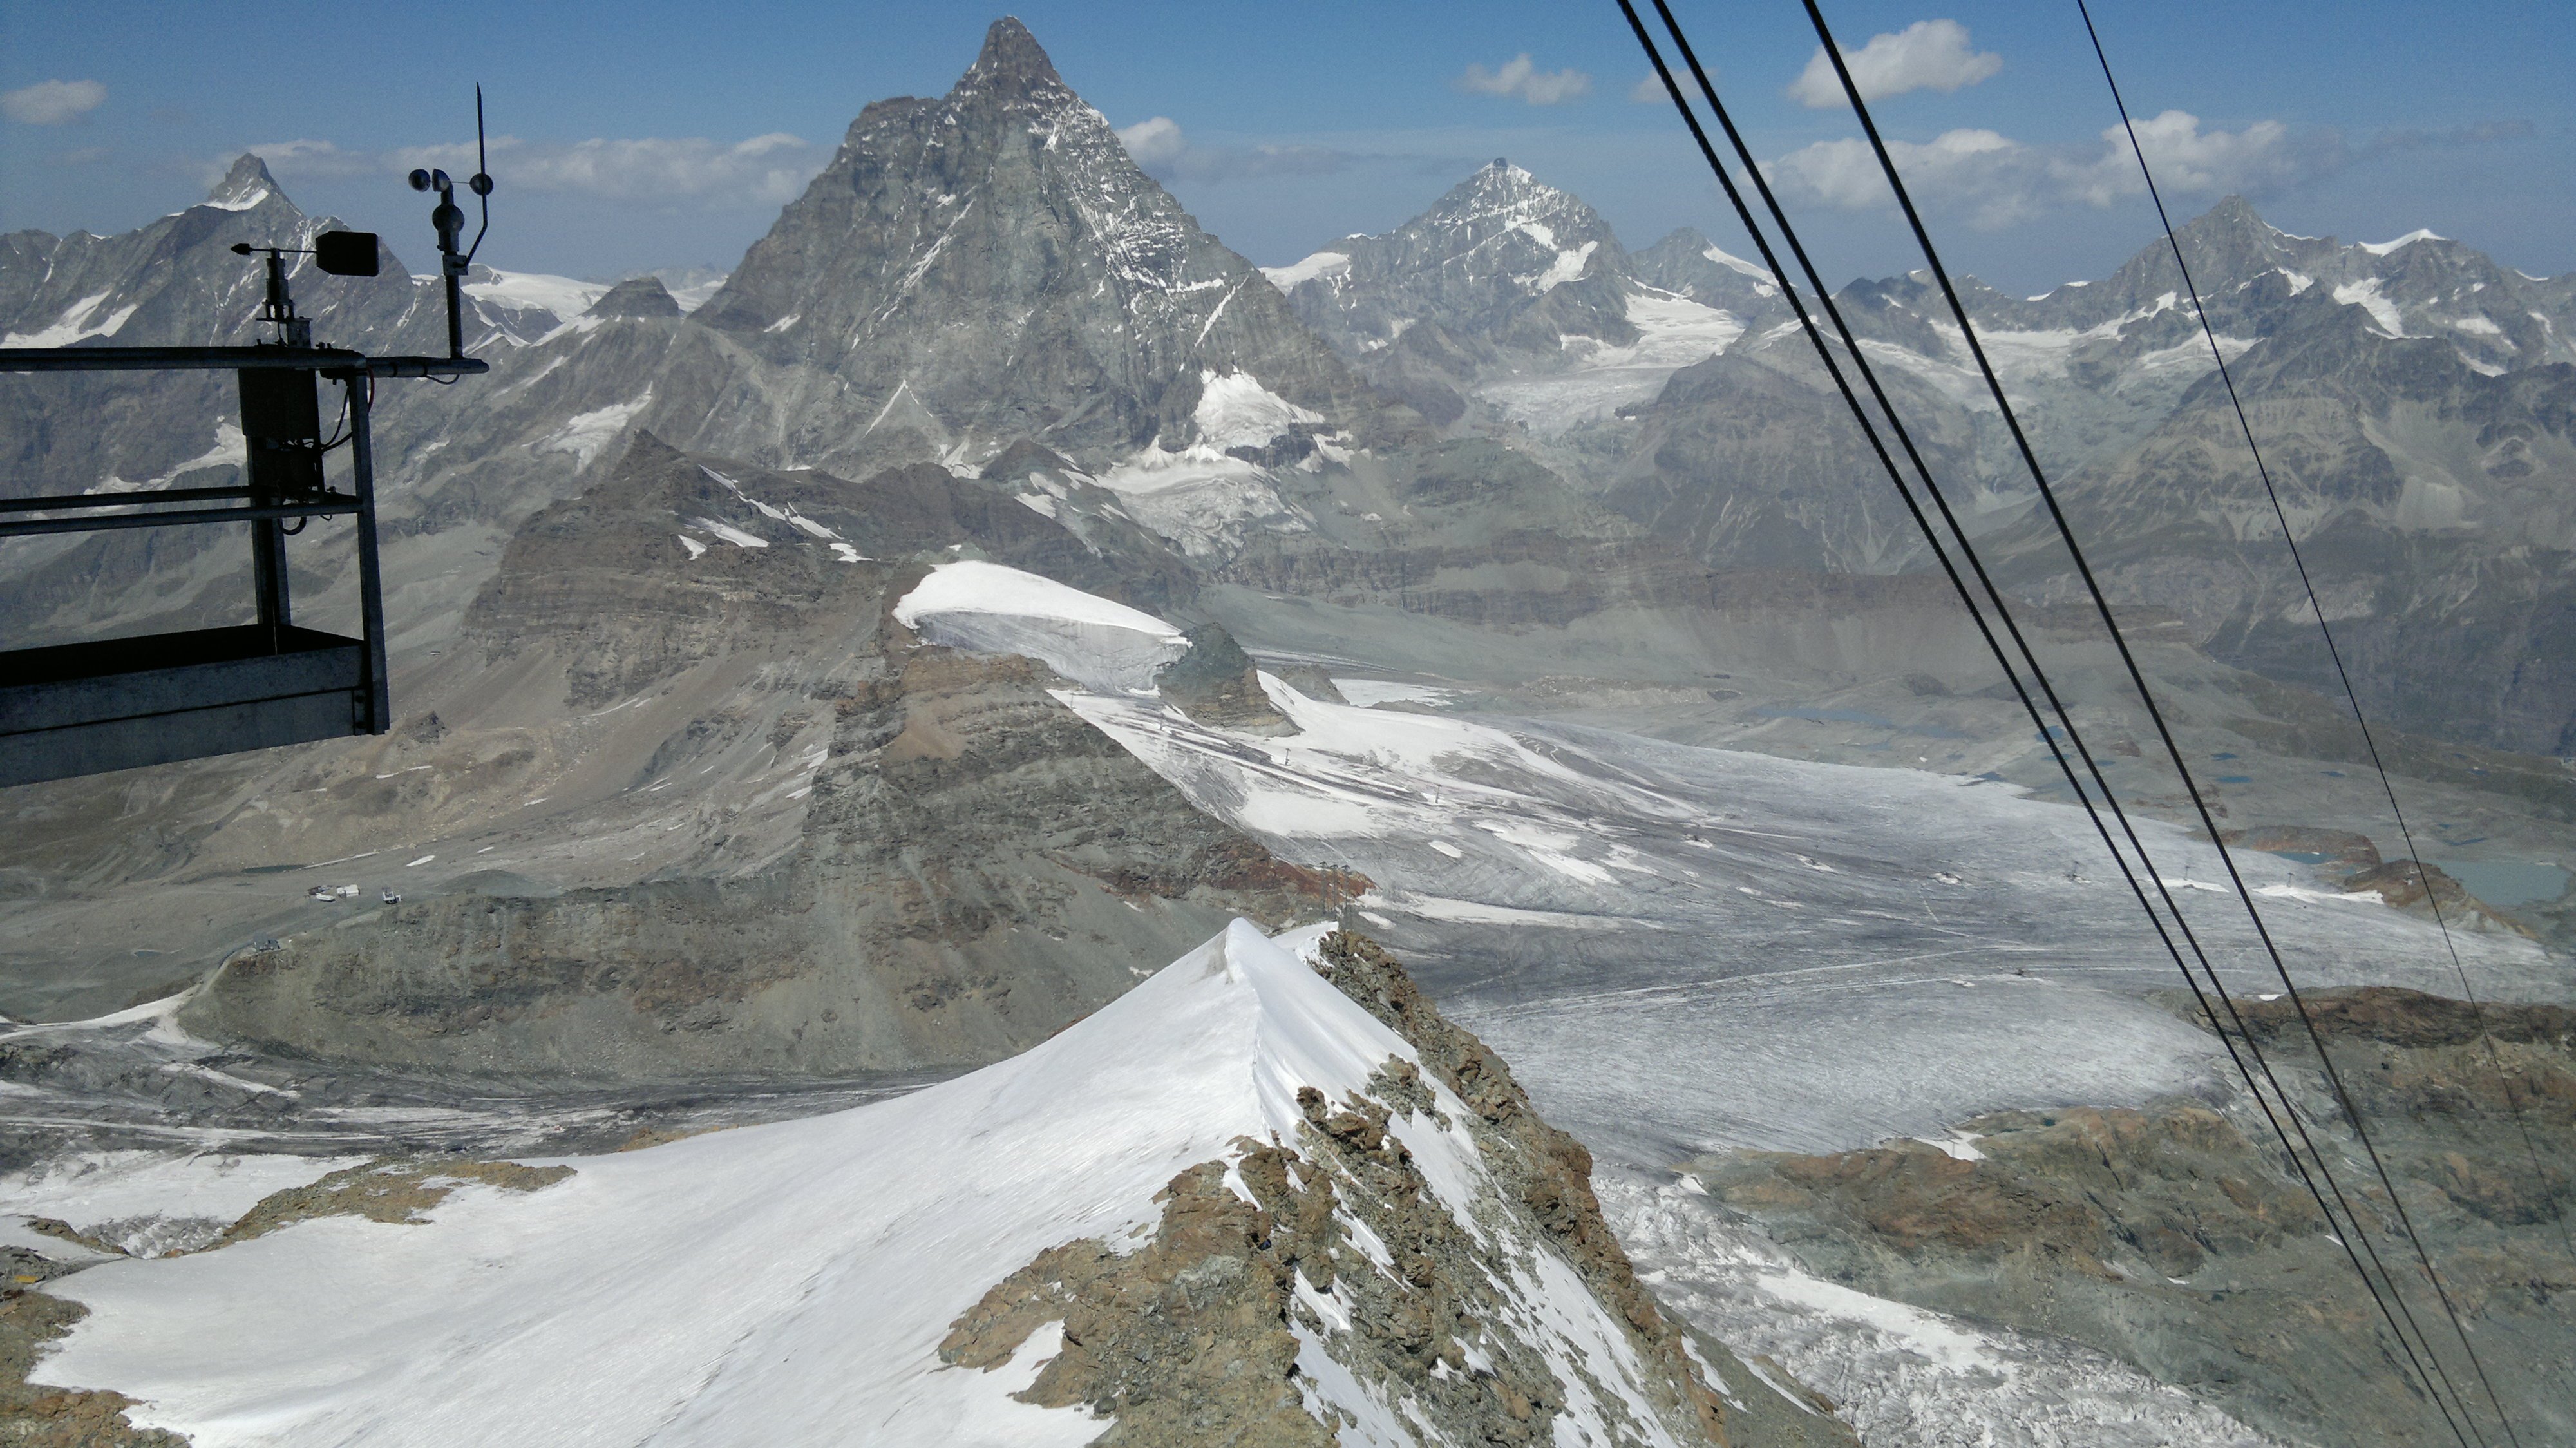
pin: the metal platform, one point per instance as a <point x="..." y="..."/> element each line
<point x="99" y="705"/>
<point x="85" y="708"/>
<point x="89" y="707"/>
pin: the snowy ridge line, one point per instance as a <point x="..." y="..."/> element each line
<point x="995" y="609"/>
<point x="777" y="1283"/>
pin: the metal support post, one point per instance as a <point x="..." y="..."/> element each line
<point x="375" y="713"/>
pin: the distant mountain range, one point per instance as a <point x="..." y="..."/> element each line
<point x="2411" y="397"/>
<point x="884" y="656"/>
<point x="1491" y="443"/>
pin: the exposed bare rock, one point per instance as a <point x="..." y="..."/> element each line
<point x="1335" y="1253"/>
<point x="2426" y="890"/>
<point x="1216" y="684"/>
<point x="1503" y="256"/>
<point x="2166" y="1237"/>
<point x="636" y="297"/>
<point x="990" y="265"/>
<point x="386" y="1191"/>
<point x="976" y="866"/>
<point x="2343" y="847"/>
<point x="42" y="1416"/>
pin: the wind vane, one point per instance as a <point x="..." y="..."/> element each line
<point x="98" y="705"/>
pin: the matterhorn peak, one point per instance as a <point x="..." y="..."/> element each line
<point x="1011" y="58"/>
<point x="245" y="185"/>
<point x="993" y="263"/>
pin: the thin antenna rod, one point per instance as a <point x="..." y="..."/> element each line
<point x="482" y="182"/>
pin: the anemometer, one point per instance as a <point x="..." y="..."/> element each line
<point x="103" y="704"/>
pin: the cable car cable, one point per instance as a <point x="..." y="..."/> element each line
<point x="1851" y="400"/>
<point x="2298" y="560"/>
<point x="2137" y="676"/>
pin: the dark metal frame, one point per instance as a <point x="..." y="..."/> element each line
<point x="87" y="707"/>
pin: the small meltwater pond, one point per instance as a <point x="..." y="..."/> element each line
<point x="2507" y="884"/>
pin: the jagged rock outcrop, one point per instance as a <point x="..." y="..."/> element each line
<point x="2168" y="1238"/>
<point x="671" y="561"/>
<point x="1688" y="264"/>
<point x="963" y="864"/>
<point x="38" y="1416"/>
<point x="1217" y="684"/>
<point x="1335" y="1253"/>
<point x="976" y="866"/>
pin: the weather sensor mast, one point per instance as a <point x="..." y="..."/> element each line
<point x="449" y="218"/>
<point x="98" y="705"/>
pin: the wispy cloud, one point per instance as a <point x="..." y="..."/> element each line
<point x="2480" y="134"/>
<point x="1520" y="77"/>
<point x="1649" y="91"/>
<point x="1997" y="181"/>
<point x="1926" y="55"/>
<point x="52" y="102"/>
<point x="684" y="171"/>
<point x="1164" y="152"/>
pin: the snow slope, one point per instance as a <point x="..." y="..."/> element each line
<point x="994" y="609"/>
<point x="791" y="1283"/>
<point x="563" y="297"/>
<point x="687" y="1293"/>
<point x="1673" y="333"/>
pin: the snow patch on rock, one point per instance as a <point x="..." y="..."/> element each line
<point x="1235" y="410"/>
<point x="993" y="609"/>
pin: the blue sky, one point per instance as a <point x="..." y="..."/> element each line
<point x="661" y="134"/>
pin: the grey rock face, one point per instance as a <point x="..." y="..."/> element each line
<point x="973" y="865"/>
<point x="1502" y="257"/>
<point x="636" y="297"/>
<point x="1200" y="1334"/>
<point x="990" y="266"/>
<point x="2433" y="513"/>
<point x="1752" y="461"/>
<point x="1216" y="683"/>
<point x="1688" y="264"/>
<point x="2407" y="396"/>
<point x="2166" y="1237"/>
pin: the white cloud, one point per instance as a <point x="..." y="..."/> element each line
<point x="1155" y="144"/>
<point x="2262" y="157"/>
<point x="51" y="102"/>
<point x="1518" y="77"/>
<point x="764" y="170"/>
<point x="1997" y="181"/>
<point x="1162" y="151"/>
<point x="1649" y="91"/>
<point x="1926" y="55"/>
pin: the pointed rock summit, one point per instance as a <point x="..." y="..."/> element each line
<point x="995" y="259"/>
<point x="1503" y="257"/>
<point x="1011" y="56"/>
<point x="245" y="185"/>
<point x="636" y="297"/>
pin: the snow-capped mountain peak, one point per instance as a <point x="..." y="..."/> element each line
<point x="1502" y="254"/>
<point x="244" y="186"/>
<point x="996" y="259"/>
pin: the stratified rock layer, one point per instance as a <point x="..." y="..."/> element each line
<point x="1204" y="1334"/>
<point x="2166" y="1237"/>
